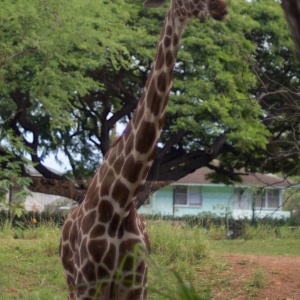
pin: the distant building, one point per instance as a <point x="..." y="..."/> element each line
<point x="40" y="202"/>
<point x="258" y="194"/>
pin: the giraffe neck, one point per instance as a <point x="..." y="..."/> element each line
<point x="127" y="163"/>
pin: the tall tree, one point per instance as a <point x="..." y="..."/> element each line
<point x="47" y="51"/>
<point x="69" y="73"/>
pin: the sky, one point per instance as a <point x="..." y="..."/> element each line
<point x="51" y="162"/>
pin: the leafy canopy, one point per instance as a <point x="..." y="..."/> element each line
<point x="70" y="70"/>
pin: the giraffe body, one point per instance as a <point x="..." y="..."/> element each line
<point x="104" y="240"/>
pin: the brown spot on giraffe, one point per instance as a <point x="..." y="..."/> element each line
<point x="121" y="192"/>
<point x="105" y="210"/>
<point x="155" y="99"/>
<point x="162" y="82"/>
<point x="98" y="230"/>
<point x="132" y="168"/>
<point x="114" y="225"/>
<point x="160" y="58"/>
<point x="97" y="248"/>
<point x="145" y="137"/>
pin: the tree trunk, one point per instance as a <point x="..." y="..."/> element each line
<point x="65" y="188"/>
<point x="147" y="190"/>
<point x="77" y="190"/>
<point x="291" y="9"/>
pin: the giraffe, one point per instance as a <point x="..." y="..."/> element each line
<point x="104" y="240"/>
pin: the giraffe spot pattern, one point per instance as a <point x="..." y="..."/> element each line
<point x="91" y="193"/>
<point x="160" y="58"/>
<point x="132" y="168"/>
<point x="130" y="225"/>
<point x="169" y="58"/>
<point x="120" y="193"/>
<point x="175" y="40"/>
<point x="136" y="191"/>
<point x="106" y="183"/>
<point x="109" y="259"/>
<point x="83" y="251"/>
<point x="118" y="164"/>
<point x="121" y="232"/>
<point x="73" y="236"/>
<point x="97" y="248"/>
<point x="88" y="221"/>
<point x="67" y="263"/>
<point x="89" y="271"/>
<point x="102" y="272"/>
<point x="97" y="231"/>
<point x="135" y="294"/>
<point x="129" y="146"/>
<point x="161" y="85"/>
<point x="154" y="104"/>
<point x="169" y="30"/>
<point x="167" y="42"/>
<point x="139" y="117"/>
<point x="66" y="232"/>
<point x="105" y="210"/>
<point x="113" y="225"/>
<point x="146" y="137"/>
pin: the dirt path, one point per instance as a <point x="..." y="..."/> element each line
<point x="259" y="278"/>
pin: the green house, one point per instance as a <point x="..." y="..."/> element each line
<point x="258" y="194"/>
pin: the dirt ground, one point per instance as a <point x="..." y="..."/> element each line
<point x="259" y="278"/>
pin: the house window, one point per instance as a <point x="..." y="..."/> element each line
<point x="273" y="198"/>
<point x="268" y="198"/>
<point x="187" y="195"/>
<point x="241" y="200"/>
<point x="260" y="199"/>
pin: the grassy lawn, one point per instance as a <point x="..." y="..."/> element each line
<point x="31" y="269"/>
<point x="258" y="247"/>
<point x="30" y="266"/>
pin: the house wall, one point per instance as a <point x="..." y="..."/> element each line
<point x="216" y="199"/>
<point x="38" y="201"/>
<point x="161" y="202"/>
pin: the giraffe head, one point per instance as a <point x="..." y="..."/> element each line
<point x="217" y="9"/>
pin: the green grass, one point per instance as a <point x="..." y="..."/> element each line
<point x="258" y="247"/>
<point x="184" y="262"/>
<point x="177" y="253"/>
<point x="30" y="267"/>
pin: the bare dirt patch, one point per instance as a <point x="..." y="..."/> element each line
<point x="258" y="278"/>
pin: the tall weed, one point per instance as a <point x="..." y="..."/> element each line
<point x="176" y="243"/>
<point x="265" y="232"/>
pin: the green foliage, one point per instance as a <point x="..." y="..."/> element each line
<point x="10" y="168"/>
<point x="49" y="51"/>
<point x="180" y="244"/>
<point x="292" y="203"/>
<point x="213" y="90"/>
